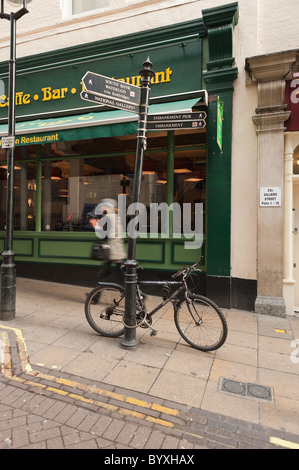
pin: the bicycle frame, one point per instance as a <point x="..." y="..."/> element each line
<point x="171" y="298"/>
<point x="182" y="286"/>
<point x="191" y="310"/>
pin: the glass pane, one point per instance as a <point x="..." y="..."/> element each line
<point x="189" y="180"/>
<point x="80" y="6"/>
<point x="296" y="161"/>
<point x="73" y="187"/>
<point x="24" y="195"/>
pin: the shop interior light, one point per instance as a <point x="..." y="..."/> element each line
<point x="193" y="179"/>
<point x="182" y="170"/>
<point x="56" y="173"/>
<point x="15" y="167"/>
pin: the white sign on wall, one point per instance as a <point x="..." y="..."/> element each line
<point x="8" y="142"/>
<point x="270" y="197"/>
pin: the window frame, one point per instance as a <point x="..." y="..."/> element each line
<point x="67" y="9"/>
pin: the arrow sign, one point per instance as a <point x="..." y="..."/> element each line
<point x="169" y="125"/>
<point x="110" y="88"/>
<point x="112" y="103"/>
<point x="177" y="117"/>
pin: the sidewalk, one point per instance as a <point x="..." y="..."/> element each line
<point x="249" y="387"/>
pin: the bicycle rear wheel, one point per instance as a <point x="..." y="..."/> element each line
<point x="201" y="323"/>
<point x="104" y="310"/>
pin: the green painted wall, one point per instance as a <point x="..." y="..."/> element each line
<point x="219" y="76"/>
<point x="75" y="248"/>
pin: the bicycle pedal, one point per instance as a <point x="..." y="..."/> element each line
<point x="153" y="333"/>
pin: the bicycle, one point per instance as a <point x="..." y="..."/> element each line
<point x="199" y="321"/>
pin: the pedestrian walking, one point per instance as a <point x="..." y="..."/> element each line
<point x="107" y="225"/>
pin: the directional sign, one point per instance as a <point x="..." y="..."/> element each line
<point x="177" y="117"/>
<point x="110" y="88"/>
<point x="8" y="142"/>
<point x="112" y="103"/>
<point x="169" y="125"/>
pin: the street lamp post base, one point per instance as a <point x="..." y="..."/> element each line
<point x="8" y="287"/>
<point x="129" y="340"/>
<point x="128" y="343"/>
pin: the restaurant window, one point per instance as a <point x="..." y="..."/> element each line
<point x="190" y="177"/>
<point x="24" y="189"/>
<point x="72" y="187"/>
<point x="74" y="176"/>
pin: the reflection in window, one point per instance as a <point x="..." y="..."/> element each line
<point x="24" y="195"/>
<point x="73" y="187"/>
<point x="296" y="161"/>
<point x="190" y="178"/>
<point x="80" y="6"/>
<point x="77" y="175"/>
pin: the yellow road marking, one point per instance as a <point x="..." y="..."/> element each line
<point x="6" y="358"/>
<point x="135" y="401"/>
<point x="135" y="414"/>
<point x="282" y="443"/>
<point x="57" y="390"/>
<point x="191" y="434"/>
<point x="162" y="422"/>
<point x="107" y="393"/>
<point x="23" y="353"/>
<point x="27" y="369"/>
<point x="164" y="409"/>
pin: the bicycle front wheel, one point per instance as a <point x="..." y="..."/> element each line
<point x="104" y="310"/>
<point x="201" y="323"/>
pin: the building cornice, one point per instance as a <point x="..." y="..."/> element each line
<point x="130" y="43"/>
<point x="271" y="67"/>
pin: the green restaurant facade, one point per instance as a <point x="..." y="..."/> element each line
<point x="71" y="153"/>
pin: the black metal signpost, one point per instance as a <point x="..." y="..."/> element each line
<point x="129" y="340"/>
<point x="103" y="87"/>
<point x="117" y="94"/>
<point x="8" y="267"/>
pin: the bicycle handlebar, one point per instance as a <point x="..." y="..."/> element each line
<point x="181" y="272"/>
<point x="187" y="270"/>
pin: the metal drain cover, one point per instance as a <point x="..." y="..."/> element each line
<point x="246" y="389"/>
<point x="259" y="391"/>
<point x="239" y="388"/>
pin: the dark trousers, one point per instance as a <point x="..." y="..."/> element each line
<point x="105" y="273"/>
